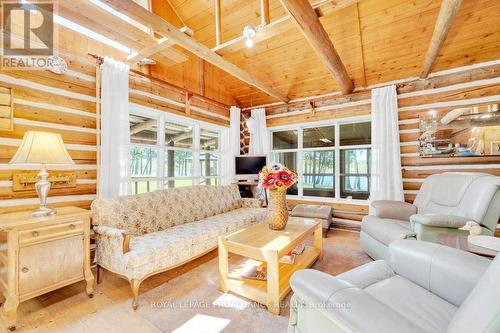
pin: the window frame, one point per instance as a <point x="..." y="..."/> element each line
<point x="336" y="148"/>
<point x="162" y="118"/>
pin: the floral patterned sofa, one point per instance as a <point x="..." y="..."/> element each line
<point x="141" y="235"/>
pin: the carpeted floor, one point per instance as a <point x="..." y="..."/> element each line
<point x="193" y="303"/>
<point x="185" y="299"/>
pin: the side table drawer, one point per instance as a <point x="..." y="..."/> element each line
<point x="50" y="265"/>
<point x="53" y="231"/>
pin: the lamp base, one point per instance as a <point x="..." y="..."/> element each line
<point x="43" y="211"/>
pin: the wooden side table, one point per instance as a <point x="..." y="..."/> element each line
<point x="460" y="242"/>
<point x="42" y="254"/>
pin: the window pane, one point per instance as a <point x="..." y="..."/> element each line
<point x="209" y="181"/>
<point x="319" y="137"/>
<point x="285" y="140"/>
<point x="143" y="161"/>
<point x="178" y="163"/>
<point x="355" y="161"/>
<point x="319" y="186"/>
<point x="356" y="187"/>
<point x="355" y="134"/>
<point x="178" y="183"/>
<point x="318" y="162"/>
<point x="143" y="186"/>
<point x="355" y="173"/>
<point x="209" y="140"/>
<point x="289" y="160"/>
<point x="143" y="130"/>
<point x="209" y="164"/>
<point x="178" y="135"/>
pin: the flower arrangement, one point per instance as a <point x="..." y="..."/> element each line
<point x="276" y="176"/>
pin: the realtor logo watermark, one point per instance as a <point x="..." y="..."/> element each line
<point x="28" y="34"/>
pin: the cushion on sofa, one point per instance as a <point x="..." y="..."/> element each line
<point x="415" y="303"/>
<point x="155" y="251"/>
<point x="386" y="230"/>
<point x="159" y="210"/>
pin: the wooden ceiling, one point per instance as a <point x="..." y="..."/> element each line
<point x="378" y="41"/>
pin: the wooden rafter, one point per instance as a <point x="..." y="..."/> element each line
<point x="98" y="19"/>
<point x="265" y="17"/>
<point x="308" y="22"/>
<point x="281" y="25"/>
<point x="447" y="13"/>
<point x="218" y="22"/>
<point x="157" y="24"/>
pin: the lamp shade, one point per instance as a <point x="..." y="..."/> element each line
<point x="41" y="148"/>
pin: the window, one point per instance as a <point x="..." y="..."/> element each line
<point x="325" y="155"/>
<point x="169" y="151"/>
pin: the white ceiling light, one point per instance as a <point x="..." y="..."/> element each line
<point x="249" y="34"/>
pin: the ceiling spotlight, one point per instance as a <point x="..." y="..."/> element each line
<point x="249" y="34"/>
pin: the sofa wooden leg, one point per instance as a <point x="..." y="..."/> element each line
<point x="100" y="274"/>
<point x="135" y="284"/>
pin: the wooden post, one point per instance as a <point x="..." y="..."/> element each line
<point x="218" y="16"/>
<point x="264" y="13"/>
<point x="201" y="75"/>
<point x="188" y="103"/>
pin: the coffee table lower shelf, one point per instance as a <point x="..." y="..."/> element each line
<point x="256" y="290"/>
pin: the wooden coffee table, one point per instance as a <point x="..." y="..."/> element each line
<point x="258" y="243"/>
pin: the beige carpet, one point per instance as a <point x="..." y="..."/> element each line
<point x="193" y="303"/>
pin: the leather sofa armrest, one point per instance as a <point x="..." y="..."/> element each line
<point x="440" y="220"/>
<point x="251" y="203"/>
<point x="391" y="209"/>
<point x="445" y="271"/>
<point x="120" y="237"/>
<point x="348" y="307"/>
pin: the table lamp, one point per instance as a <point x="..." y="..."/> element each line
<point x="42" y="148"/>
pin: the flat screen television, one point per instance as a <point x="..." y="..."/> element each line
<point x="249" y="166"/>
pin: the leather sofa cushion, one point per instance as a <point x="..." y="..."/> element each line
<point x="418" y="305"/>
<point x="386" y="230"/>
<point x="368" y="274"/>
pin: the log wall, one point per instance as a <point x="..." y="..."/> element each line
<point x="442" y="92"/>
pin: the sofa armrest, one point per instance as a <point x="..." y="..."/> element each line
<point x="445" y="271"/>
<point x="391" y="209"/>
<point x="349" y="308"/>
<point x="440" y="220"/>
<point x="120" y="238"/>
<point x="251" y="203"/>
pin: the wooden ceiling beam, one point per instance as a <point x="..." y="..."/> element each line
<point x="447" y="13"/>
<point x="97" y="19"/>
<point x="281" y="25"/>
<point x="265" y="17"/>
<point x="164" y="28"/>
<point x="307" y="20"/>
<point x="218" y="22"/>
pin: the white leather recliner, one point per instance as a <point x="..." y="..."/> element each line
<point x="423" y="288"/>
<point x="444" y="203"/>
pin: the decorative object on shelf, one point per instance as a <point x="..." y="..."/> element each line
<point x="277" y="179"/>
<point x="57" y="65"/>
<point x="42" y="148"/>
<point x="6" y="109"/>
<point x="26" y="180"/>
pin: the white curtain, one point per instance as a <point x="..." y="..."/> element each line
<point x="259" y="137"/>
<point x="114" y="169"/>
<point x="386" y="178"/>
<point x="230" y="146"/>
